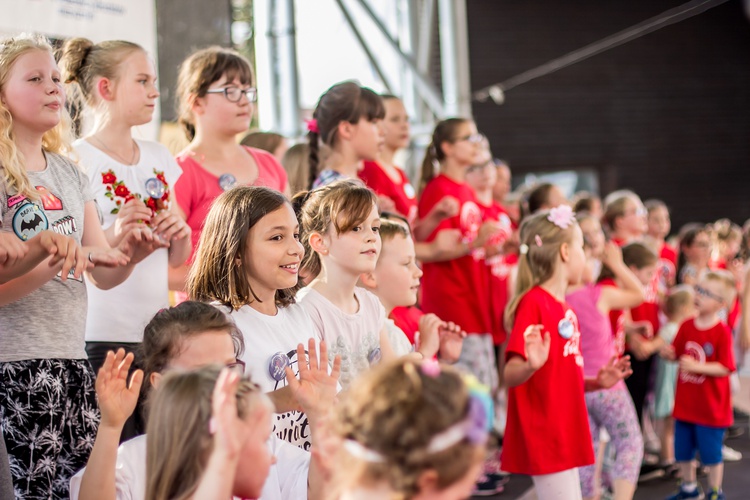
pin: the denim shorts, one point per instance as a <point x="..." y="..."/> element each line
<point x="689" y="438"/>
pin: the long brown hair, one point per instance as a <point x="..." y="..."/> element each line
<point x="344" y="102"/>
<point x="344" y="204"/>
<point x="199" y="71"/>
<point x="445" y="131"/>
<point x="218" y="272"/>
<point x="541" y="240"/>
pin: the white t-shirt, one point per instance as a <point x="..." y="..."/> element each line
<point x="271" y="343"/>
<point x="398" y="339"/>
<point x="356" y="337"/>
<point x="287" y="478"/>
<point x="121" y="313"/>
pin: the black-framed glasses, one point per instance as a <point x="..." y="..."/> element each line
<point x="708" y="293"/>
<point x="238" y="365"/>
<point x="234" y="94"/>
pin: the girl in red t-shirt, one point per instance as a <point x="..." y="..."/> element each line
<point x="659" y="224"/>
<point x="456" y="289"/>
<point x="216" y="102"/>
<point x="547" y="434"/>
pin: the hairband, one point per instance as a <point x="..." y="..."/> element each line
<point x="312" y="126"/>
<point x="562" y="216"/>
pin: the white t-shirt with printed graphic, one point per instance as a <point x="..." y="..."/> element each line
<point x="270" y="343"/>
<point x="49" y="322"/>
<point x="121" y="313"/>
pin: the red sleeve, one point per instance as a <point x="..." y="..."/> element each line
<point x="527" y="313"/>
<point x="725" y="349"/>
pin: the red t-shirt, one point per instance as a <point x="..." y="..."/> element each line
<point x="703" y="399"/>
<point x="456" y="290"/>
<point x="407" y="318"/>
<point x="498" y="269"/>
<point x="668" y="253"/>
<point x="197" y="188"/>
<point x="548" y="428"/>
<point x="402" y="193"/>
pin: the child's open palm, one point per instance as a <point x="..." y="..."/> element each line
<point x="315" y="390"/>
<point x="537" y="348"/>
<point x="614" y="371"/>
<point x="117" y="398"/>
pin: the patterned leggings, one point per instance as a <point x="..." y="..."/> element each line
<point x="613" y="409"/>
<point x="49" y="417"/>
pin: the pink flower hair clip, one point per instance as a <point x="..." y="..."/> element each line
<point x="312" y="125"/>
<point x="431" y="368"/>
<point x="562" y="216"/>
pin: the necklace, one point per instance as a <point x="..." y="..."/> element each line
<point x="117" y="156"/>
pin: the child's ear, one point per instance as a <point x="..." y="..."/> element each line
<point x="318" y="243"/>
<point x="345" y="130"/>
<point x="368" y="280"/>
<point x="428" y="481"/>
<point x="196" y="104"/>
<point x="155" y="379"/>
<point x="106" y="89"/>
<point x="565" y="252"/>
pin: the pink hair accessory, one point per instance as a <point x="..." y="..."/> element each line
<point x="431" y="368"/>
<point x="312" y="125"/>
<point x="538" y="240"/>
<point x="212" y="426"/>
<point x="562" y="216"/>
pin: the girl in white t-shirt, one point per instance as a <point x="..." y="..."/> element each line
<point x="341" y="225"/>
<point x="115" y="82"/>
<point x="247" y="261"/>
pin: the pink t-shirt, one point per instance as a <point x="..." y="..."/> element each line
<point x="597" y="341"/>
<point x="197" y="188"/>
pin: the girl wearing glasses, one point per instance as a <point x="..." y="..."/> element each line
<point x="216" y="102"/>
<point x="189" y="336"/>
<point x="131" y="180"/>
<point x="458" y="289"/>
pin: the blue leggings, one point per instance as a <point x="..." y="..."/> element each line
<point x="613" y="410"/>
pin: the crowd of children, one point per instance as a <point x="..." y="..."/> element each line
<point x="318" y="304"/>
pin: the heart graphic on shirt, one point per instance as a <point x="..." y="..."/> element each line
<point x="49" y="200"/>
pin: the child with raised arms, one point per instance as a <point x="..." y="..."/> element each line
<point x="547" y="433"/>
<point x="189" y="336"/>
<point x="703" y="402"/>
<point x="216" y="92"/>
<point x="248" y="263"/>
<point x="44" y="311"/>
<point x="132" y="182"/>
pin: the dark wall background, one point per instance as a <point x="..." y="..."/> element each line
<point x="667" y="115"/>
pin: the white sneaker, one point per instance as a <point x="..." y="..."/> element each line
<point x="730" y="455"/>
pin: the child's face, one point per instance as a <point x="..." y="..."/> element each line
<point x="482" y="178"/>
<point x="356" y="250"/>
<point x="255" y="457"/>
<point x="730" y="248"/>
<point x="593" y="236"/>
<point x="397" y="274"/>
<point x="633" y="220"/>
<point x="135" y="89"/>
<point x="273" y="252"/>
<point x="502" y="184"/>
<point x="466" y="149"/>
<point x="217" y="113"/>
<point x="699" y="251"/>
<point x="367" y="138"/>
<point x="645" y="274"/>
<point x="33" y="93"/>
<point x="659" y="223"/>
<point x="709" y="297"/>
<point x="396" y="126"/>
<point x="577" y="257"/>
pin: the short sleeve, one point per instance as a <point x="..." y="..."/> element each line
<point x="292" y="468"/>
<point x="725" y="350"/>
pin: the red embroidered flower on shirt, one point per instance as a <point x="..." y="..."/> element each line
<point x="118" y="192"/>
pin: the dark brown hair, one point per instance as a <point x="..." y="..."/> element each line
<point x="344" y="102"/>
<point x="218" y="273"/>
<point x="535" y="198"/>
<point x="445" y="131"/>
<point x="636" y="254"/>
<point x="202" y="69"/>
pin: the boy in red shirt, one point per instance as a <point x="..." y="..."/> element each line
<point x="703" y="405"/>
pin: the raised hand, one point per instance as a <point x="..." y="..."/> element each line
<point x="169" y="226"/>
<point x="614" y="371"/>
<point x="429" y="335"/>
<point x="315" y="390"/>
<point x="537" y="348"/>
<point x="612" y="255"/>
<point x="117" y="399"/>
<point x="451" y="341"/>
<point x="228" y="430"/>
<point x="448" y="206"/>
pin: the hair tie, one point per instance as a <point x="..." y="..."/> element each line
<point x="538" y="240"/>
<point x="562" y="216"/>
<point x="431" y="368"/>
<point x="523" y="249"/>
<point x="312" y="126"/>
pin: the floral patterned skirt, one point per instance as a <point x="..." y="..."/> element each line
<point x="49" y="417"/>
